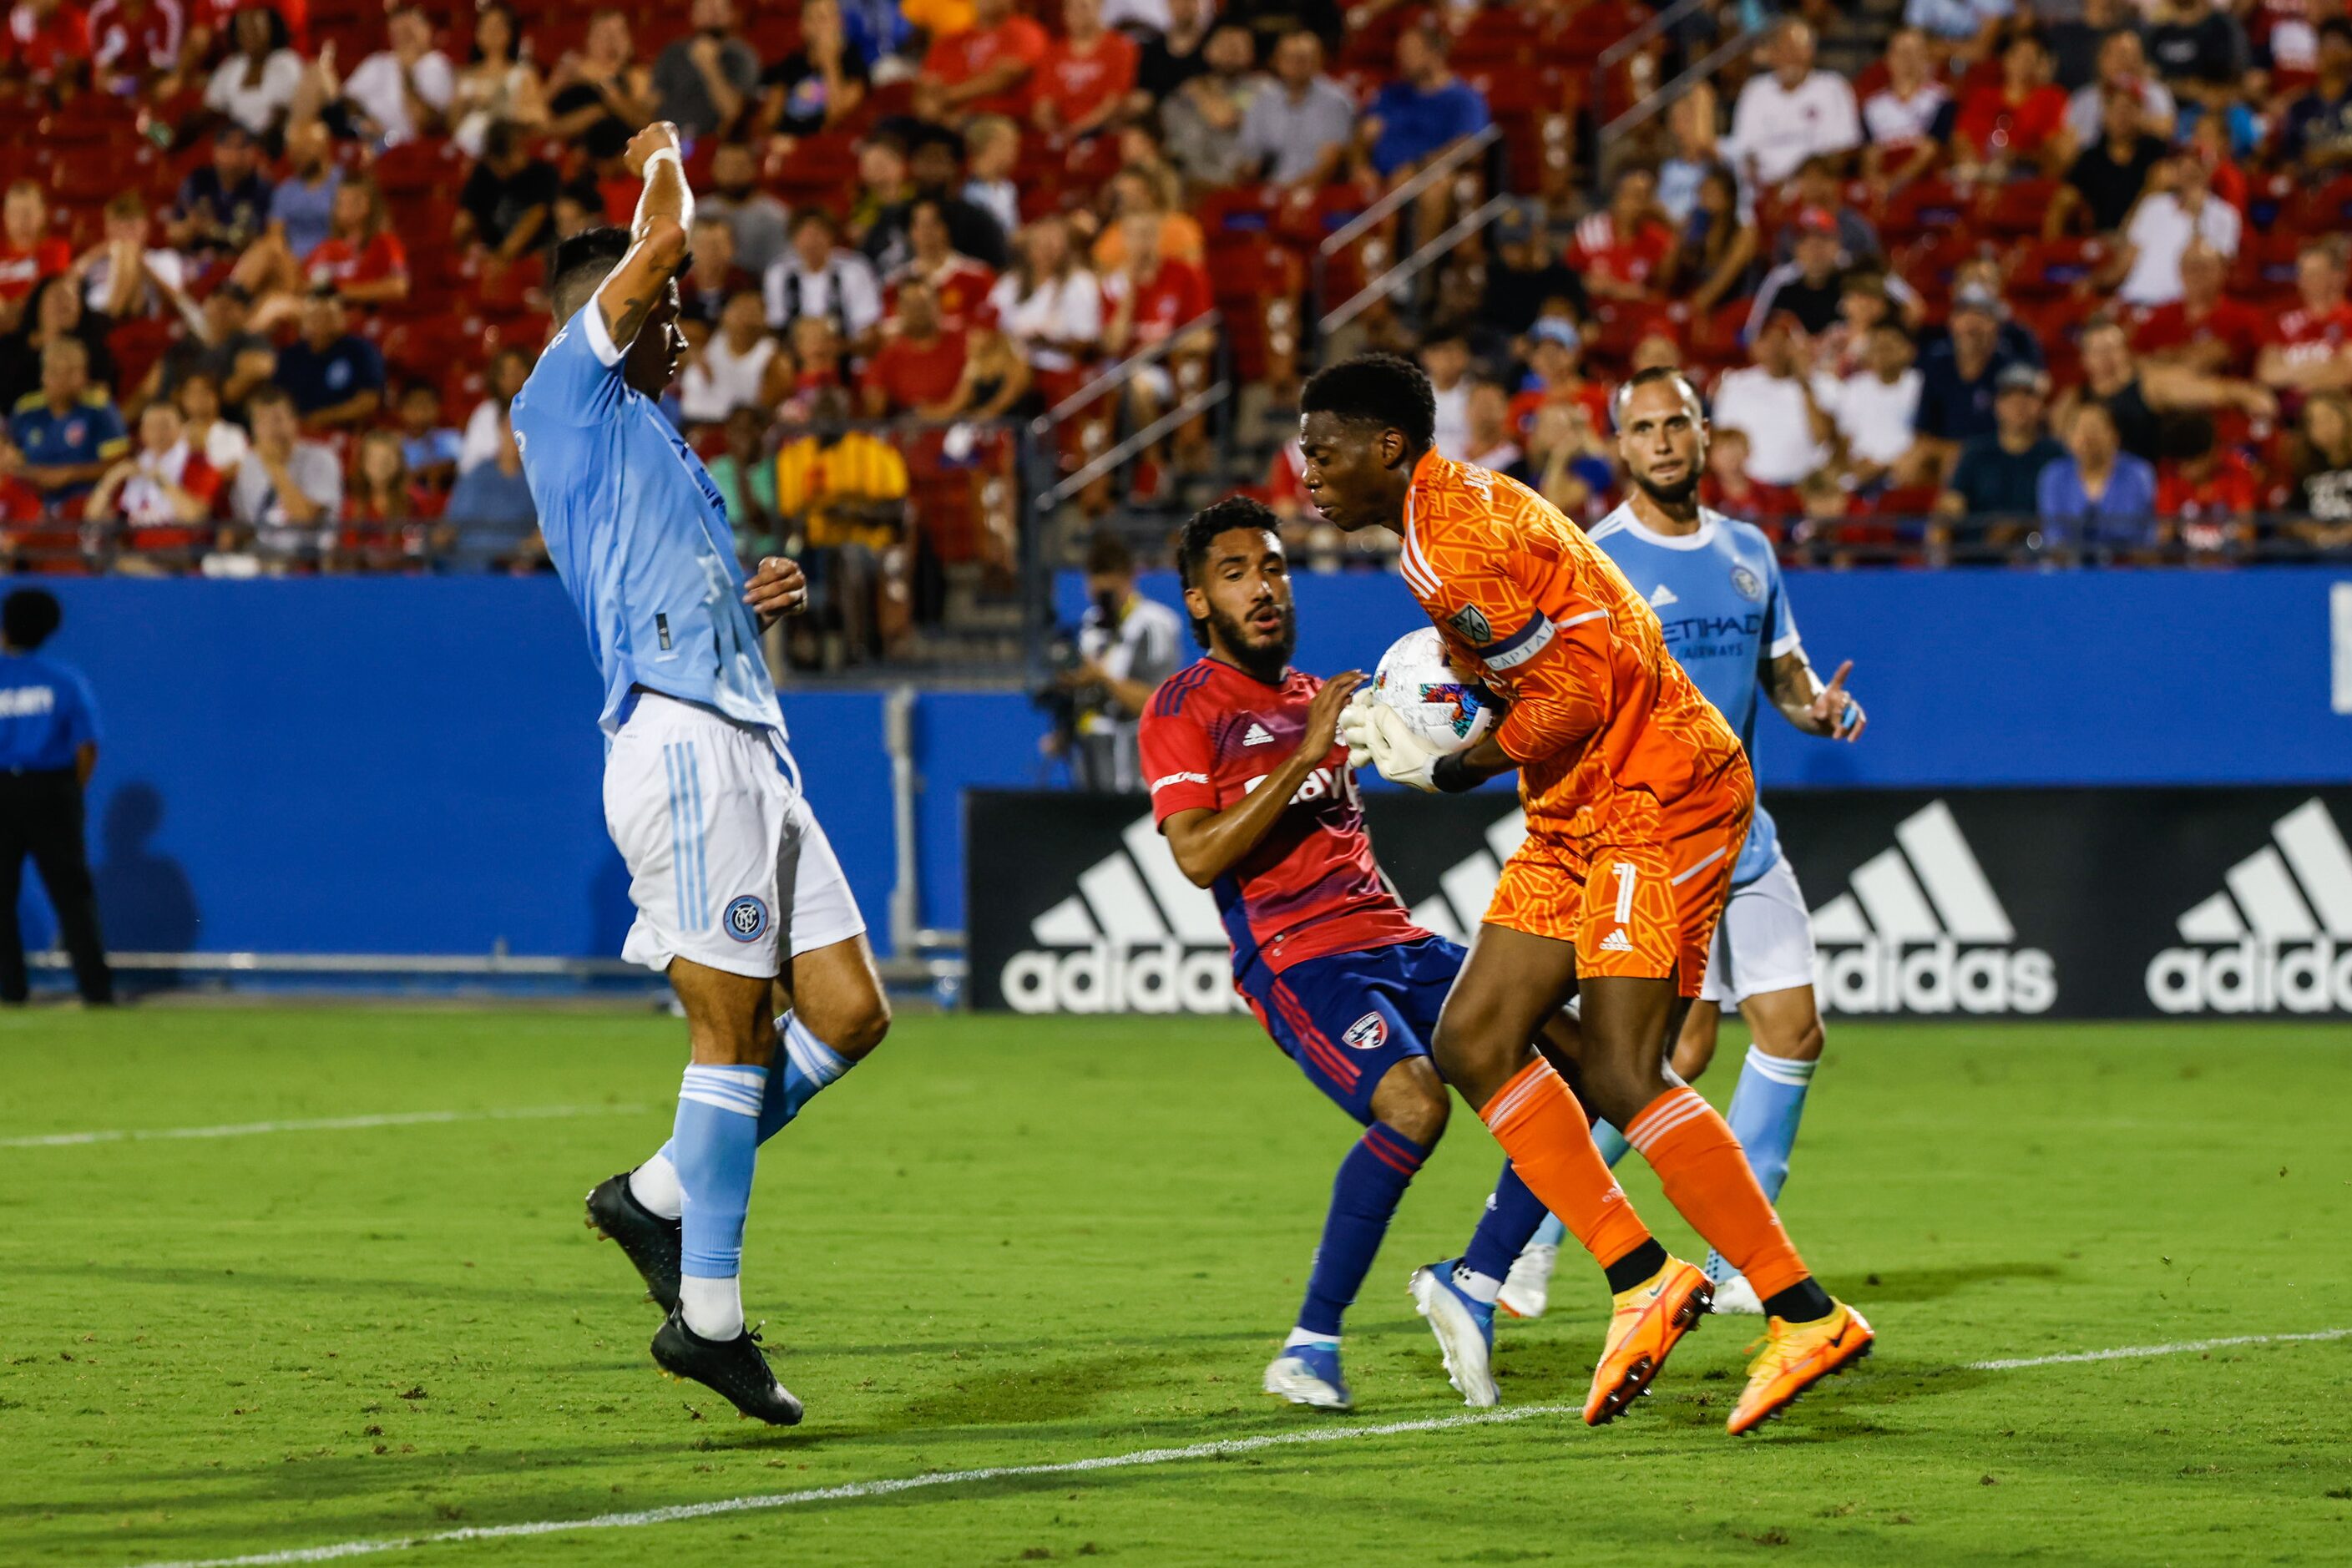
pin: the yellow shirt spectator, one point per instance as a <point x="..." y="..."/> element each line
<point x="822" y="484"/>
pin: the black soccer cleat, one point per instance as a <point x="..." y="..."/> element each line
<point x="648" y="1240"/>
<point x="735" y="1369"/>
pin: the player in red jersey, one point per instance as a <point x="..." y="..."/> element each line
<point x="1638" y="798"/>
<point x="1258" y="805"/>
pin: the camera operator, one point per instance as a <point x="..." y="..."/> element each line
<point x="1126" y="645"/>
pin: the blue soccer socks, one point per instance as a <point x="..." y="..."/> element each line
<point x="803" y="1064"/>
<point x="1765" y="1110"/>
<point x="1365" y="1194"/>
<point x="1512" y="1217"/>
<point x="715" y="1147"/>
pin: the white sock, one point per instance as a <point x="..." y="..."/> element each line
<point x="1482" y="1288"/>
<point x="712" y="1308"/>
<point x="1310" y="1337"/>
<point x="655" y="1187"/>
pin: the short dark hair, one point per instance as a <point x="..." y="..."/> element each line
<point x="1201" y="530"/>
<point x="1377" y="389"/>
<point x="268" y="394"/>
<point x="1106" y="553"/>
<point x="582" y="263"/>
<point x="28" y="618"/>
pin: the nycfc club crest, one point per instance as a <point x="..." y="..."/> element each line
<point x="1750" y="586"/>
<point x="1370" y="1032"/>
<point x="1470" y="622"/>
<point x="746" y="919"/>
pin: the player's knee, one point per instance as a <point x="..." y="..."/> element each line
<point x="1618" y="1086"/>
<point x="1420" y="1115"/>
<point x="866" y="1028"/>
<point x="1802" y="1044"/>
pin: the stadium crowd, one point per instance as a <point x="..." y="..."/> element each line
<point x="268" y="274"/>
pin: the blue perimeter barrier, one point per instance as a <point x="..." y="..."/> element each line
<point x="404" y="765"/>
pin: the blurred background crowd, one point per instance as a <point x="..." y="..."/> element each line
<point x="1963" y="281"/>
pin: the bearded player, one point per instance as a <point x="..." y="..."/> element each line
<point x="1718" y="595"/>
<point x="1638" y="798"/>
<point x="1254" y="793"/>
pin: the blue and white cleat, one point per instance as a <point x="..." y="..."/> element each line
<point x="1465" y="1330"/>
<point x="1310" y="1374"/>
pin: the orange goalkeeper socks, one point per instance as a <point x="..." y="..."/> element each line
<point x="1550" y="1140"/>
<point x="1707" y="1178"/>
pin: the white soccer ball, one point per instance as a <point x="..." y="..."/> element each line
<point x="1418" y="681"/>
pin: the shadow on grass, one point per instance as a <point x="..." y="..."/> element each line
<point x="248" y="1276"/>
<point x="1933" y="1284"/>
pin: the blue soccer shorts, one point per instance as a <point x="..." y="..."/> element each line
<point x="1348" y="1017"/>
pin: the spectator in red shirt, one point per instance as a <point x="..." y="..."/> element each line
<point x="28" y="251"/>
<point x="2310" y="347"/>
<point x="1726" y="486"/>
<point x="134" y="41"/>
<point x="165" y="491"/>
<point x="1083" y="79"/>
<point x="48" y="39"/>
<point x="19" y="503"/>
<point x="382" y="488"/>
<point x="1622" y="249"/>
<point x="2019" y="124"/>
<point x="1145" y="301"/>
<point x="984" y="69"/>
<point x="959" y="284"/>
<point x="920" y="363"/>
<point x="360" y="256"/>
<point x="2207" y="491"/>
<point x="2204" y="330"/>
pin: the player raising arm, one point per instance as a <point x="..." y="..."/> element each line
<point x="1715" y="584"/>
<point x="1637" y="798"/>
<point x="738" y="894"/>
<point x="1255" y="796"/>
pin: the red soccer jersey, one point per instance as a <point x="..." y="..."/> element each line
<point x="21" y="267"/>
<point x="959" y="57"/>
<point x="1177" y="294"/>
<point x="961" y="285"/>
<point x="341" y="263"/>
<point x="1210" y="735"/>
<point x="909" y="374"/>
<point x="2307" y="337"/>
<point x="1992" y="125"/>
<point x="1078" y="84"/>
<point x="2238" y="327"/>
<point x="1601" y="250"/>
<point x="43" y="45"/>
<point x="1531" y="402"/>
<point x="2230" y="491"/>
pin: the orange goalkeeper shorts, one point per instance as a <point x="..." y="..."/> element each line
<point x="1638" y="907"/>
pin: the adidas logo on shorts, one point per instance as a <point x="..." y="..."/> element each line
<point x="1617" y="941"/>
<point x="2278" y="937"/>
<point x="1921" y="930"/>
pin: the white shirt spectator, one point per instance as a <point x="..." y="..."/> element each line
<point x="1067" y="309"/>
<point x="1780" y="129"/>
<point x="376" y="88"/>
<point x="2086" y="109"/>
<point x="254" y="497"/>
<point x="486" y="434"/>
<point x="168" y="268"/>
<point x="1874" y="418"/>
<point x="1781" y="449"/>
<point x="1452" y="429"/>
<point x="1290" y="139"/>
<point x="720" y="380"/>
<point x="141" y="500"/>
<point x="2159" y="230"/>
<point x="1895" y="122"/>
<point x="255" y="107"/>
<point x="847" y="292"/>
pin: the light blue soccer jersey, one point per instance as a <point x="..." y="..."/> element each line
<point x="1719" y="593"/>
<point x="638" y="534"/>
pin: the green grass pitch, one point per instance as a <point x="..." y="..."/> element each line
<point x="1010" y="1242"/>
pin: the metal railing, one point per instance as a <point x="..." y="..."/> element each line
<point x="1046" y="424"/>
<point x="1664" y="97"/>
<point x="1412" y="266"/>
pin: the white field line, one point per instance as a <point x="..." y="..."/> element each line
<point x="853" y="1491"/>
<point x="318" y="1124"/>
<point x="2133" y="1352"/>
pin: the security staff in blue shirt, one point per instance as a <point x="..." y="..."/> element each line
<point x="48" y="748"/>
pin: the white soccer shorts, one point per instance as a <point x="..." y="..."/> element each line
<point x="727" y="867"/>
<point x="1764" y="941"/>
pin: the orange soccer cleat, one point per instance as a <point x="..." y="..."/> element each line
<point x="1649" y="1320"/>
<point x="1796" y="1356"/>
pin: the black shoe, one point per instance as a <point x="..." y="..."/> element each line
<point x="646" y="1239"/>
<point x="736" y="1369"/>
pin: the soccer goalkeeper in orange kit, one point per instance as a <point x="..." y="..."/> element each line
<point x="1638" y="798"/>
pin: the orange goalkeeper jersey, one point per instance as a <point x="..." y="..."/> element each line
<point x="1600" y="713"/>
